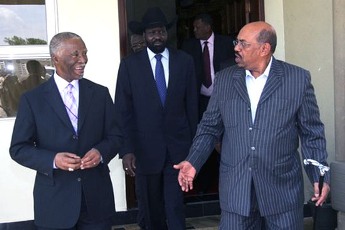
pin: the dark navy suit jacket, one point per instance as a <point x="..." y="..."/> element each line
<point x="42" y="129"/>
<point x="156" y="133"/>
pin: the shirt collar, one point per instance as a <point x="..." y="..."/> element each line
<point x="210" y="40"/>
<point x="62" y="83"/>
<point x="151" y="54"/>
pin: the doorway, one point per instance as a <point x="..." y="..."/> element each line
<point x="229" y="17"/>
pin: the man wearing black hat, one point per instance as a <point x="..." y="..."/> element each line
<point x="156" y="101"/>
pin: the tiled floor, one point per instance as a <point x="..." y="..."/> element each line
<point x="205" y="223"/>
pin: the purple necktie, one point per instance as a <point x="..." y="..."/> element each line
<point x="207" y="81"/>
<point x="160" y="78"/>
<point x="71" y="106"/>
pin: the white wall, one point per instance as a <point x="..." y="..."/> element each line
<point x="97" y="23"/>
<point x="307" y="30"/>
<point x="309" y="43"/>
<point x="274" y="15"/>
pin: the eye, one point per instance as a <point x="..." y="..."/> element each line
<point x="75" y="54"/>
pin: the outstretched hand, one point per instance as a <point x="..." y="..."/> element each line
<point x="186" y="175"/>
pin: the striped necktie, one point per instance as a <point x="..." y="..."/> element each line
<point x="71" y="106"/>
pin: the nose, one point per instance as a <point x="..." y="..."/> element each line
<point x="237" y="47"/>
<point x="83" y="58"/>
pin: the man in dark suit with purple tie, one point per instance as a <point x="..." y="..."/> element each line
<point x="65" y="130"/>
<point x="156" y="101"/>
<point x="263" y="109"/>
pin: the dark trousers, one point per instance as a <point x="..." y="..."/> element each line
<point x="85" y="221"/>
<point x="162" y="200"/>
<point x="292" y="219"/>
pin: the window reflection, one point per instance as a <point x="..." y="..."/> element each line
<point x="18" y="76"/>
<point x="23" y="22"/>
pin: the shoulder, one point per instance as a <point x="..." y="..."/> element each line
<point x="190" y="44"/>
<point x="224" y="39"/>
<point x="190" y="41"/>
<point x="230" y="72"/>
<point x="180" y="54"/>
<point x="86" y="83"/>
<point x="288" y="67"/>
<point x="135" y="56"/>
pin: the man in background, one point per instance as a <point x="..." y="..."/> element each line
<point x="36" y="76"/>
<point x="137" y="40"/>
<point x="210" y="51"/>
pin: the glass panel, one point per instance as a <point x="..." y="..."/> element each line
<point x="18" y="76"/>
<point x="23" y="22"/>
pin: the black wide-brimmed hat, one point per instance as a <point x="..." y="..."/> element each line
<point x="153" y="17"/>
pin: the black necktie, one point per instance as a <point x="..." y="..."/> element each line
<point x="207" y="81"/>
<point x="160" y="78"/>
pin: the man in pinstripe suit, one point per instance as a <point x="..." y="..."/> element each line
<point x="263" y="108"/>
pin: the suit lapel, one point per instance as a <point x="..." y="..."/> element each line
<point x="240" y="84"/>
<point x="53" y="98"/>
<point x="147" y="79"/>
<point x="173" y="76"/>
<point x="273" y="80"/>
<point x="86" y="92"/>
<point x="217" y="50"/>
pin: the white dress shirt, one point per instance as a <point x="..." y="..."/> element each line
<point x="62" y="84"/>
<point x="255" y="86"/>
<point x="165" y="63"/>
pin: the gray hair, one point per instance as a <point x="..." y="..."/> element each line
<point x="268" y="36"/>
<point x="56" y="41"/>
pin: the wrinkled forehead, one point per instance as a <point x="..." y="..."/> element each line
<point x="248" y="33"/>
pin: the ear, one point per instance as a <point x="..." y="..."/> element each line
<point x="54" y="59"/>
<point x="265" y="49"/>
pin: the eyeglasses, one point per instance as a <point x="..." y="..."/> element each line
<point x="241" y="43"/>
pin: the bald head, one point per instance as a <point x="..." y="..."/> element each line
<point x="263" y="33"/>
<point x="255" y="45"/>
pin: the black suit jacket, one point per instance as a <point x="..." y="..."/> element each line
<point x="223" y="55"/>
<point x="43" y="128"/>
<point x="152" y="132"/>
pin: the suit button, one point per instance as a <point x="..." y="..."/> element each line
<point x="252" y="148"/>
<point x="250" y="128"/>
<point x="79" y="179"/>
<point x="75" y="137"/>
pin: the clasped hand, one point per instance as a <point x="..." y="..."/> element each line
<point x="70" y="161"/>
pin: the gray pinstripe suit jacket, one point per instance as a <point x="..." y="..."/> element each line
<point x="266" y="151"/>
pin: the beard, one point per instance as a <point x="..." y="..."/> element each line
<point x="157" y="47"/>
